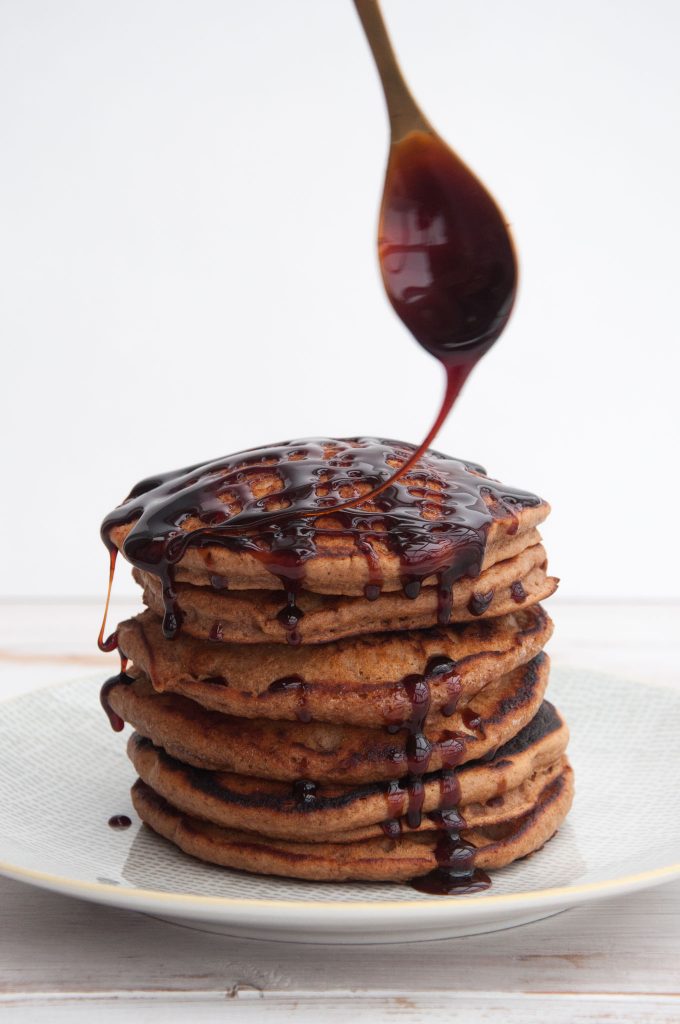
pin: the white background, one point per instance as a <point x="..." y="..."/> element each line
<point x="188" y="198"/>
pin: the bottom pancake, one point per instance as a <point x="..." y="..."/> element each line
<point x="384" y="859"/>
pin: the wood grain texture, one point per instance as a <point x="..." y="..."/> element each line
<point x="297" y="1007"/>
<point x="64" y="960"/>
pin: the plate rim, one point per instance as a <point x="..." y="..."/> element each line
<point x="552" y="896"/>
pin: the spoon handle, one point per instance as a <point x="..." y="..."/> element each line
<point x="404" y="113"/>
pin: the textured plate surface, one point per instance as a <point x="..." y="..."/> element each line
<point x="63" y="773"/>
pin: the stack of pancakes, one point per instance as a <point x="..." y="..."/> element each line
<point x="357" y="695"/>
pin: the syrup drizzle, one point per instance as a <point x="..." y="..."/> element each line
<point x="455" y="871"/>
<point x="406" y="797"/>
<point x="435" y="519"/>
<point x="111" y="642"/>
<point x="117" y="723"/>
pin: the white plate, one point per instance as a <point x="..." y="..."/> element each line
<point x="63" y="773"/>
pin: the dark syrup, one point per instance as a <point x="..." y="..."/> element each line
<point x="304" y="793"/>
<point x="297" y="686"/>
<point x="472" y="720"/>
<point x="455" y="873"/>
<point x="479" y="603"/>
<point x="406" y="797"/>
<point x="456" y="880"/>
<point x="116" y="721"/>
<point x="119" y="821"/>
<point x="391" y="827"/>
<point x="110" y="643"/>
<point x="446" y="257"/>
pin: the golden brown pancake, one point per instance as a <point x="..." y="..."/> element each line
<point x="440" y="493"/>
<point x="486" y="792"/>
<point x="329" y="751"/>
<point x="351" y="682"/>
<point x="250" y="617"/>
<point x="506" y="547"/>
<point x="384" y="859"/>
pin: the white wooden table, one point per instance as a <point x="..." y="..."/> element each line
<point x="66" y="960"/>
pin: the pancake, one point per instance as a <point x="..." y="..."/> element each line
<point x="234" y="517"/>
<point x="330" y="752"/>
<point x="350" y="682"/>
<point x="384" y="859"/>
<point x="485" y="792"/>
<point x="504" y="548"/>
<point x="255" y="617"/>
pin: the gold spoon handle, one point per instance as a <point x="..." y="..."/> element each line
<point x="404" y="113"/>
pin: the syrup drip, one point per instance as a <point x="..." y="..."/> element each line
<point x="454" y="686"/>
<point x="116" y="721"/>
<point x="455" y="871"/>
<point x="296" y="685"/>
<point x="417" y="690"/>
<point x="391" y="827"/>
<point x="449" y="797"/>
<point x="304" y="792"/>
<point x="437" y="530"/>
<point x="290" y="616"/>
<point x="456" y="874"/>
<point x="111" y="642"/>
<point x="479" y="603"/>
<point x="375" y="576"/>
<point x="395" y="798"/>
<point x="472" y="720"/>
<point x="119" y="821"/>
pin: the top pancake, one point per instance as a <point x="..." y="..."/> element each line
<point x="249" y="520"/>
